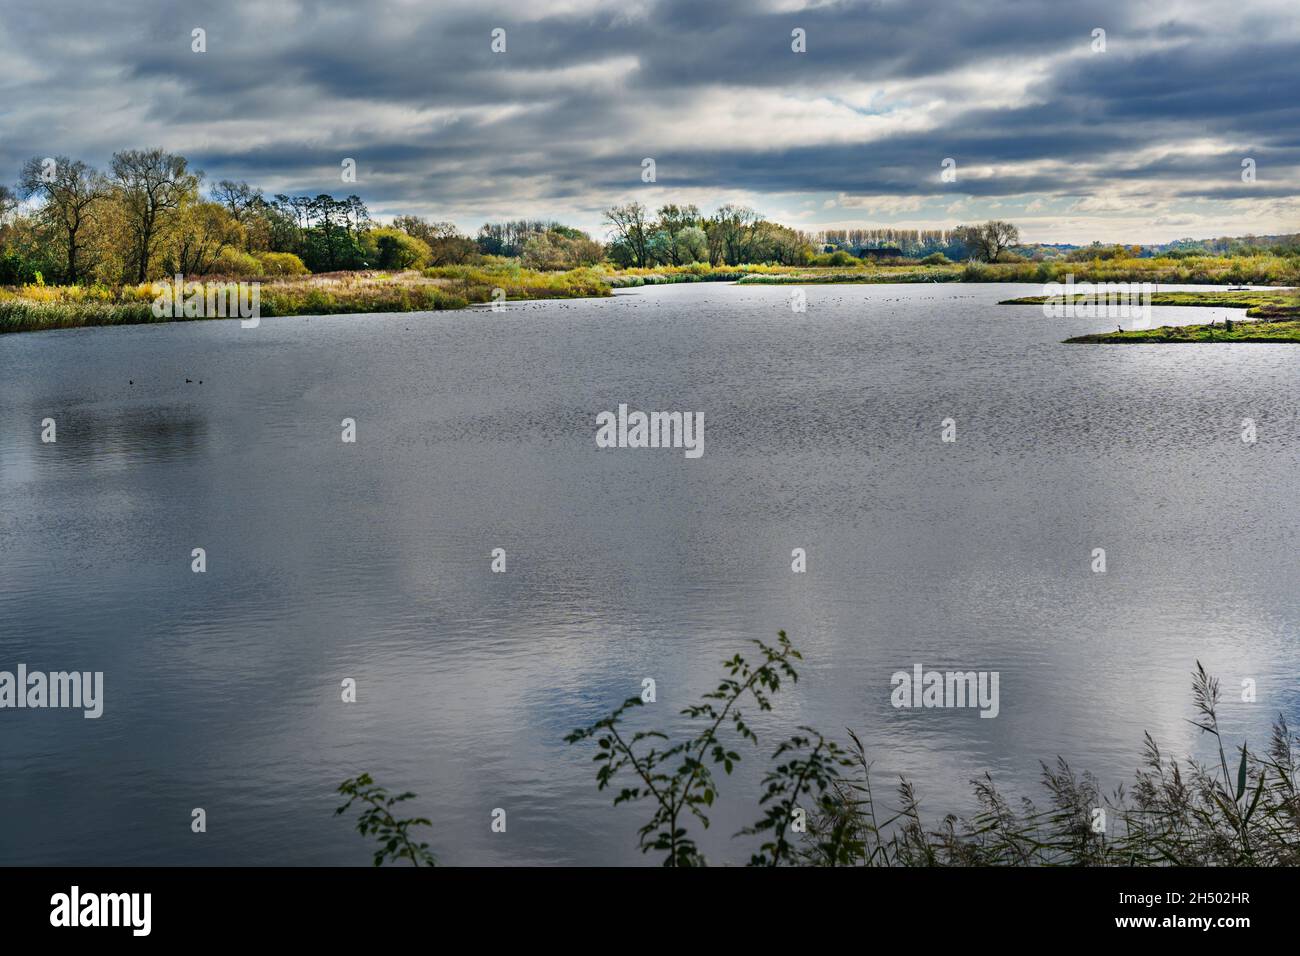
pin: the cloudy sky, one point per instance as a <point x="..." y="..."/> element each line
<point x="1143" y="142"/>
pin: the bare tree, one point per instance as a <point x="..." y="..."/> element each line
<point x="239" y="197"/>
<point x="629" y="225"/>
<point x="8" y="203"/>
<point x="988" y="241"/>
<point x="151" y="183"/>
<point x="737" y="229"/>
<point x="998" y="237"/>
<point x="70" y="189"/>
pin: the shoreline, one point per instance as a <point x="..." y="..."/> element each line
<point x="1275" y="310"/>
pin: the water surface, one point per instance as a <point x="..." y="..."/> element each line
<point x="476" y="430"/>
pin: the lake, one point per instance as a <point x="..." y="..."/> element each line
<point x="371" y="561"/>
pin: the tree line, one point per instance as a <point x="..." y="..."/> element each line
<point x="679" y="235"/>
<point x="148" y="216"/>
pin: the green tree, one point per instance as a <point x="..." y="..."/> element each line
<point x="673" y="221"/>
<point x="395" y="249"/>
<point x="736" y="229"/>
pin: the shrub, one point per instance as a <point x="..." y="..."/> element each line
<point x="838" y="258"/>
<point x="395" y="249"/>
<point x="233" y="262"/>
<point x="281" y="264"/>
<point x="556" y="251"/>
<point x="14" y="269"/>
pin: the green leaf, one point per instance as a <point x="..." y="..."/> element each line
<point x="1255" y="802"/>
<point x="1241" y="774"/>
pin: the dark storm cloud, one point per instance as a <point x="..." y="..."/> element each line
<point x="413" y="92"/>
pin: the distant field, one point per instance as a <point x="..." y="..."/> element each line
<point x="1264" y="269"/>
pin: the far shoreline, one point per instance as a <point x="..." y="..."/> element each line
<point x="1274" y="311"/>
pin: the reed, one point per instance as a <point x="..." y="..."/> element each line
<point x="39" y="307"/>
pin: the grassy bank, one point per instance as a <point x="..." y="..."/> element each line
<point x="1199" y="270"/>
<point x="1258" y="303"/>
<point x="1275" y="315"/>
<point x="34" y="308"/>
<point x="782" y="275"/>
<point x="1273" y="332"/>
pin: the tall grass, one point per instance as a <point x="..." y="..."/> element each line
<point x="1268" y="331"/>
<point x="355" y="293"/>
<point x="1238" y="811"/>
<point x="23" y="316"/>
<point x="1243" y="811"/>
<point x="36" y="307"/>
<point x="477" y="283"/>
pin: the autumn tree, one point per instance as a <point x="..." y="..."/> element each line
<point x="200" y="231"/>
<point x="70" y="190"/>
<point x="446" y="244"/>
<point x="151" y="184"/>
<point x="989" y="240"/>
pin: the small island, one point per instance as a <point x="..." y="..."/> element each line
<point x="1271" y="316"/>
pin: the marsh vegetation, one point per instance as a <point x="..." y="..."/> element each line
<point x="817" y="806"/>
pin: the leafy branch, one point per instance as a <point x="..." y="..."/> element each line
<point x="679" y="778"/>
<point x="377" y="820"/>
